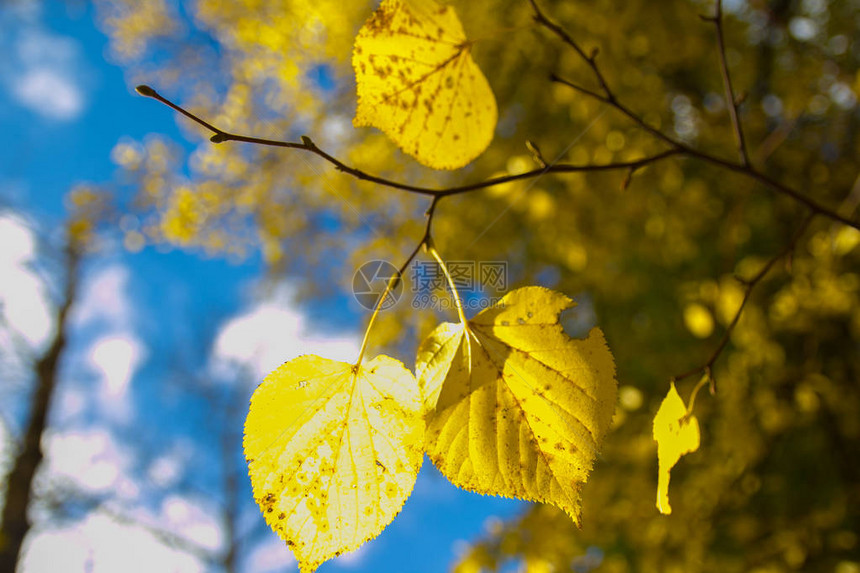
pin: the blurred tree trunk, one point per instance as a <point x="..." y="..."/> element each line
<point x="15" y="523"/>
<point x="231" y="495"/>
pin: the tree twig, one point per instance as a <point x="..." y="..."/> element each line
<point x="731" y="102"/>
<point x="743" y="167"/>
<point x="307" y="144"/>
<point x="590" y="59"/>
<point x="749" y="287"/>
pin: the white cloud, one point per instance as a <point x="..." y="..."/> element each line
<point x="117" y="353"/>
<point x="55" y="550"/>
<point x="270" y="556"/>
<point x="104" y="299"/>
<point x="25" y="306"/>
<point x="91" y="460"/>
<point x="272" y="333"/>
<point x="42" y="71"/>
<point x="19" y="245"/>
<point x="25" y="309"/>
<point x="192" y="522"/>
<point x="165" y="470"/>
<point x="116" y="538"/>
<point x="116" y="357"/>
<point x="103" y="544"/>
<point x="49" y="92"/>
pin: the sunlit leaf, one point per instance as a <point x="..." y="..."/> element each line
<point x="676" y="433"/>
<point x="333" y="452"/>
<point x="417" y="82"/>
<point x="515" y="407"/>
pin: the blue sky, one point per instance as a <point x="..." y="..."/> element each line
<point x="151" y="333"/>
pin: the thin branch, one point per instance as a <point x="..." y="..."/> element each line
<point x="608" y="96"/>
<point x="749" y="287"/>
<point x="613" y="101"/>
<point x="590" y="59"/>
<point x="731" y="102"/>
<point x="307" y="144"/>
<point x="679" y="147"/>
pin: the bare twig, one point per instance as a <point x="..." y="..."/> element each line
<point x="749" y="287"/>
<point x="731" y="102"/>
<point x="590" y="59"/>
<point x="307" y="144"/>
<point x="743" y="167"/>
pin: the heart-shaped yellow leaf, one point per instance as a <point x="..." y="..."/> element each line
<point x="333" y="452"/>
<point x="515" y="407"/>
<point x="417" y="82"/>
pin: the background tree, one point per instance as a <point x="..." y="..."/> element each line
<point x="40" y="496"/>
<point x="663" y="257"/>
<point x="89" y="208"/>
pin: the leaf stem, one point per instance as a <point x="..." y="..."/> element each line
<point x="706" y="378"/>
<point x="425" y="241"/>
<point x="749" y="286"/>
<point x="454" y="294"/>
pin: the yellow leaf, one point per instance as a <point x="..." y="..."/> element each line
<point x="417" y="82"/>
<point x="676" y="433"/>
<point x="515" y="407"/>
<point x="333" y="452"/>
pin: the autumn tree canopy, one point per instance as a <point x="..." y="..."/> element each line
<point x="687" y="171"/>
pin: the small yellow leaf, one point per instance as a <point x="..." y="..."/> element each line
<point x="676" y="434"/>
<point x="417" y="82"/>
<point x="333" y="452"/>
<point x="515" y="407"/>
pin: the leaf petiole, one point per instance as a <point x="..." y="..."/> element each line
<point x="705" y="379"/>
<point x="392" y="283"/>
<point x="456" y="296"/>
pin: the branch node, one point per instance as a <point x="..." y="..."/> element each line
<point x="219" y="138"/>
